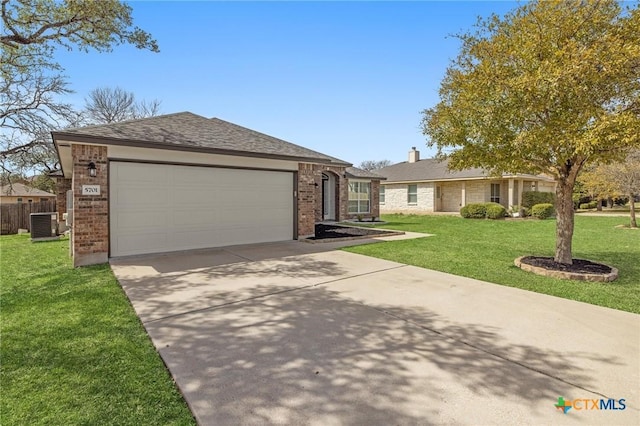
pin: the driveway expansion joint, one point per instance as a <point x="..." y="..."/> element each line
<point x="262" y="296"/>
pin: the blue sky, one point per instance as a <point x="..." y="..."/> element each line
<point x="348" y="79"/>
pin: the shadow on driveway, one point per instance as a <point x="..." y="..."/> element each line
<point x="311" y="356"/>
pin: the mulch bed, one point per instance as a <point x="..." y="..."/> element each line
<point x="336" y="231"/>
<point x="579" y="266"/>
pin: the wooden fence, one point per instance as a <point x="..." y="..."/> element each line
<point x="18" y="216"/>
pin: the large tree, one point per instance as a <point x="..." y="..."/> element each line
<point x="33" y="83"/>
<point x="548" y="88"/>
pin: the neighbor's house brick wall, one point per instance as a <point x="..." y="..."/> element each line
<point x="10" y="199"/>
<point x="451" y="196"/>
<point x="546" y="186"/>
<point x="477" y="191"/>
<point x="62" y="186"/>
<point x="90" y="233"/>
<point x="396" y="197"/>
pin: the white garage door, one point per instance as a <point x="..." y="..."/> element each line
<point x="158" y="208"/>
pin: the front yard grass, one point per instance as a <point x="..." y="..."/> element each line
<point x="486" y="249"/>
<point x="73" y="351"/>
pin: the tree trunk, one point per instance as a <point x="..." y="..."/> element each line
<point x="632" y="211"/>
<point x="599" y="206"/>
<point x="564" y="220"/>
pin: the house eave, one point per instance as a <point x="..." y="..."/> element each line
<point x="61" y="137"/>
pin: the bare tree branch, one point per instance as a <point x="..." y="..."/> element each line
<point x="110" y="105"/>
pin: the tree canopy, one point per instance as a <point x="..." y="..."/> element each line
<point x="74" y="24"/>
<point x="546" y="89"/>
<point x="33" y="85"/>
<point x="620" y="179"/>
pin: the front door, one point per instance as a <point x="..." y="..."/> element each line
<point x="438" y="200"/>
<point x="328" y="197"/>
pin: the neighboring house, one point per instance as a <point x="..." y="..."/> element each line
<point x="425" y="186"/>
<point x="20" y="193"/>
<point x="182" y="181"/>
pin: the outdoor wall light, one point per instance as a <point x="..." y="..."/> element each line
<point x="92" y="169"/>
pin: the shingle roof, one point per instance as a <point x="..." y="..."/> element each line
<point x="354" y="172"/>
<point x="426" y="170"/>
<point x="431" y="169"/>
<point x="21" y="190"/>
<point x="191" y="132"/>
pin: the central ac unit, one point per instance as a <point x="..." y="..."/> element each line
<point x="44" y="225"/>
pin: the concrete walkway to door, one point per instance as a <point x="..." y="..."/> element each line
<point x="295" y="333"/>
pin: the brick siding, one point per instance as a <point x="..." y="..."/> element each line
<point x="90" y="233"/>
<point x="306" y="200"/>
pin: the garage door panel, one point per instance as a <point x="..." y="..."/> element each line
<point x="137" y="194"/>
<point x="130" y="221"/>
<point x="191" y="218"/>
<point x="139" y="242"/>
<point x="139" y="173"/>
<point x="193" y="197"/>
<point x="189" y="207"/>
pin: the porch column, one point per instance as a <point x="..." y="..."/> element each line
<point x="511" y="198"/>
<point x="90" y="229"/>
<point x="520" y="189"/>
<point x="463" y="194"/>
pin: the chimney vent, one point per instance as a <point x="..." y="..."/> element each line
<point x="414" y="155"/>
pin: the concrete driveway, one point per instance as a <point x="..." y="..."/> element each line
<point x="295" y="333"/>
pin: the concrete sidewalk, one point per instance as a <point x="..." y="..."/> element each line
<point x="294" y="333"/>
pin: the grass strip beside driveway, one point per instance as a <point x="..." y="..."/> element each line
<point x="73" y="350"/>
<point x="486" y="249"/>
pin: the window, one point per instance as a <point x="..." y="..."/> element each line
<point x="412" y="194"/>
<point x="382" y="194"/>
<point x="495" y="193"/>
<point x="359" y="197"/>
<point x="19" y="199"/>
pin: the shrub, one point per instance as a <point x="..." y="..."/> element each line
<point x="531" y="198"/>
<point x="483" y="211"/>
<point x="474" y="211"/>
<point x="542" y="211"/>
<point x="495" y="211"/>
<point x="589" y="205"/>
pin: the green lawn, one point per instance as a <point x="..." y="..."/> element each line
<point x="486" y="249"/>
<point x="73" y="350"/>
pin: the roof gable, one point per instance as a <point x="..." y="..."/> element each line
<point x="190" y="132"/>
